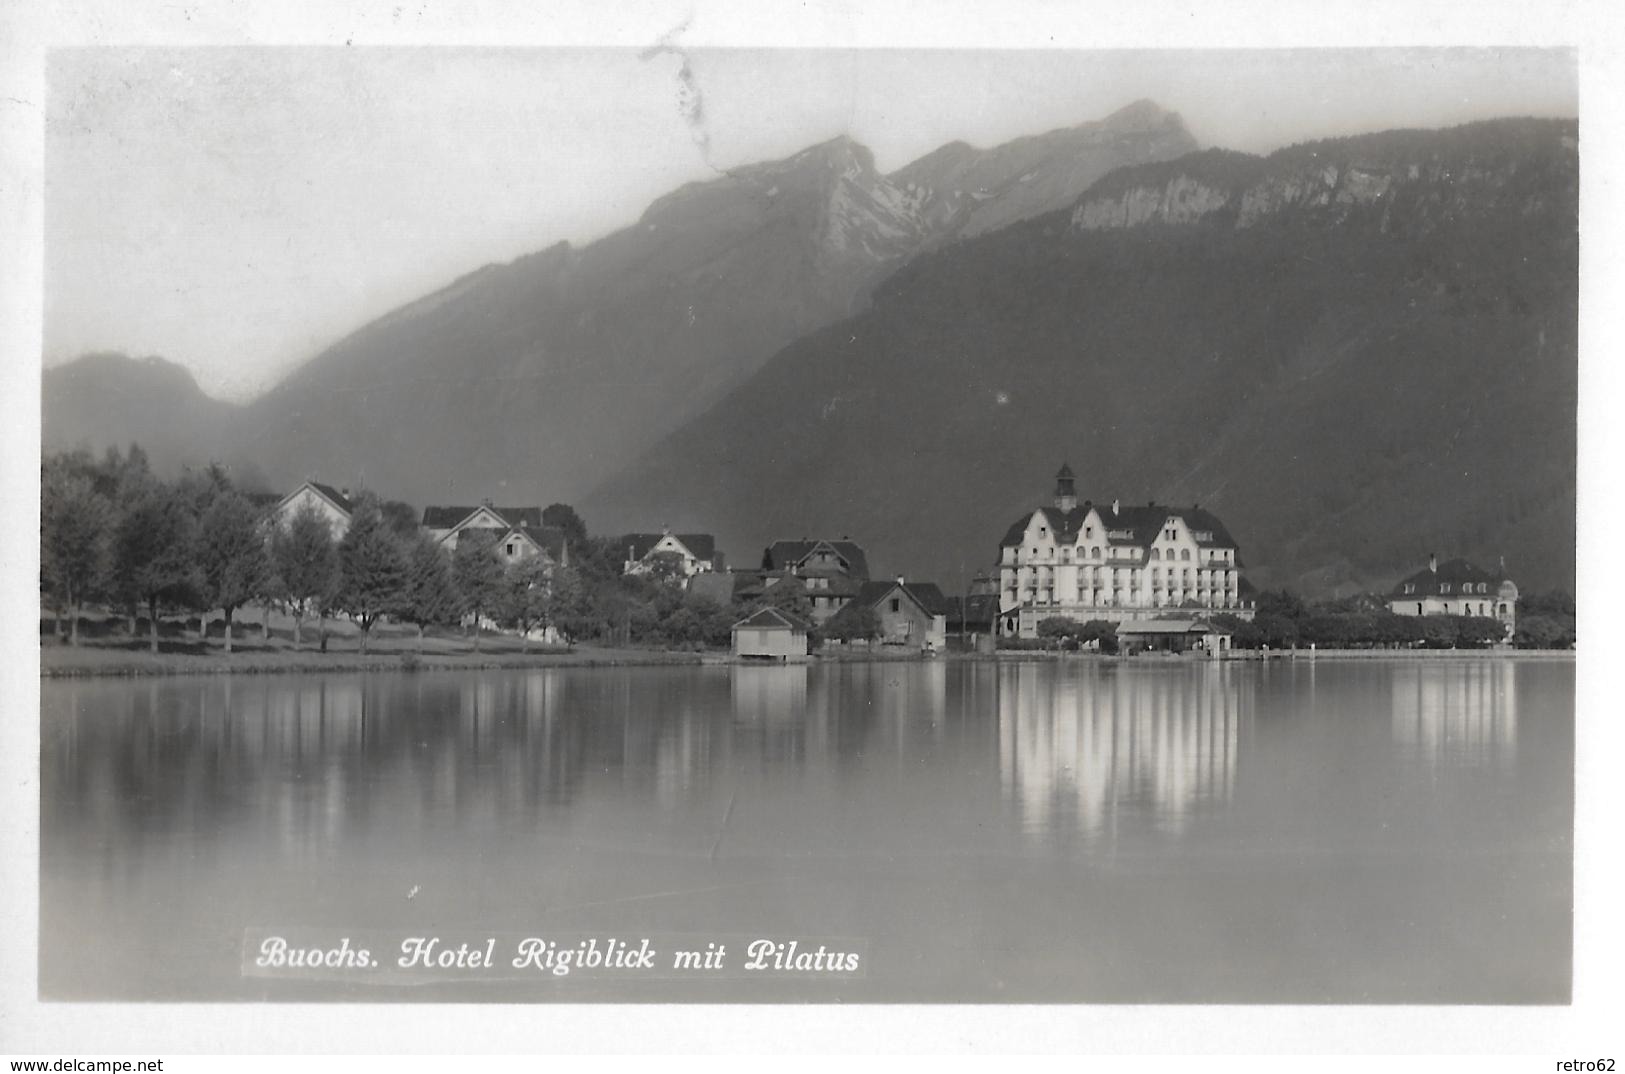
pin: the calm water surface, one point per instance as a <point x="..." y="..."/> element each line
<point x="1392" y="832"/>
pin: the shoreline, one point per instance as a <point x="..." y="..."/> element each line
<point x="65" y="662"/>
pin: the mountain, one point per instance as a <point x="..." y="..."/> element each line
<point x="960" y="191"/>
<point x="1354" y="352"/>
<point x="105" y="400"/>
<point x="541" y="378"/>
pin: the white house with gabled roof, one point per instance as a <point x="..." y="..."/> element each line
<point x="332" y="505"/>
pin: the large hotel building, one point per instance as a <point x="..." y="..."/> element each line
<point x="1095" y="561"/>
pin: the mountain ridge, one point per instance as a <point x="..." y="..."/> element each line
<point x="542" y="376"/>
<point x="1207" y="363"/>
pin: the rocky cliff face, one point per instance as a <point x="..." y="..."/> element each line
<point x="1353" y="352"/>
<point x="962" y="191"/>
<point x="1411" y="179"/>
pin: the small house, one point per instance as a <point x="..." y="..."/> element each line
<point x="1173" y="635"/>
<point x="906" y="613"/>
<point x="695" y="552"/>
<point x="517" y="533"/>
<point x="771" y="634"/>
<point x="332" y="505"/>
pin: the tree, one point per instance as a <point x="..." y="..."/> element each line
<point x="1437" y="631"/>
<point x="74" y="524"/>
<point x="1478" y="631"/>
<point x="401" y="518"/>
<point x="1057" y="627"/>
<point x="200" y="488"/>
<point x="569" y="603"/>
<point x="561" y="516"/>
<point x="372" y="570"/>
<point x="431" y="597"/>
<point x="478" y="574"/>
<point x="305" y="563"/>
<point x="788" y="595"/>
<point x="1101" y="631"/>
<point x="1244" y="633"/>
<point x="1544" y="632"/>
<point x="854" y="622"/>
<point x="525" y="596"/>
<point x="231" y="555"/>
<point x="154" y="559"/>
<point x="666" y="568"/>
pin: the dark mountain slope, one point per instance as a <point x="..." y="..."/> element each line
<point x="1354" y="352"/>
<point x="105" y="400"/>
<point x="540" y="378"/>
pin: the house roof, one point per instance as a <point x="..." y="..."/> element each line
<point x="1138" y="526"/>
<point x="449" y="518"/>
<point x="701" y="546"/>
<point x="341" y="501"/>
<point x="925" y="594"/>
<point x="772" y="619"/>
<point x="1171" y="626"/>
<point x="712" y="586"/>
<point x="978" y="608"/>
<point x="549" y="539"/>
<point x="1454" y="573"/>
<point x="784" y="554"/>
<point x="327" y="492"/>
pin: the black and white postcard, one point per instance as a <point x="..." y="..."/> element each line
<point x="673" y="516"/>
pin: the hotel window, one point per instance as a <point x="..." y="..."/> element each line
<point x="1184" y="553"/>
<point x="897" y="604"/>
<point x="1444" y="587"/>
<point x="510" y="548"/>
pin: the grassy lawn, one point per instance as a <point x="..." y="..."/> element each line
<point x="106" y="648"/>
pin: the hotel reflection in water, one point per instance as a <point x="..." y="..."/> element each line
<point x="1462" y="713"/>
<point x="1080" y="750"/>
<point x="1107" y="746"/>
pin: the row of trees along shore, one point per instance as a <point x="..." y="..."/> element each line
<point x="114" y="535"/>
<point x="1283" y="621"/>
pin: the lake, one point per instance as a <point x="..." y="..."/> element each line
<point x="1161" y="831"/>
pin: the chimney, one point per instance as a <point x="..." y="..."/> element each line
<point x="901" y="580"/>
<point x="1116" y="506"/>
<point x="1433" y="562"/>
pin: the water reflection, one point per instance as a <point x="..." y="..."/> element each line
<point x="1092" y="750"/>
<point x="1080" y="829"/>
<point x="1454" y="713"/>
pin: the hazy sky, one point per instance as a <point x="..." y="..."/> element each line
<point x="238" y="209"/>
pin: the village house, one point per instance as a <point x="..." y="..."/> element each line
<point x="831" y="573"/>
<point x="1173" y="635"/>
<point x="518" y="532"/>
<point x="697" y="552"/>
<point x="1114" y="562"/>
<point x="771" y="634"/>
<point x="334" y="506"/>
<point x="1457" y="587"/>
<point x="907" y="613"/>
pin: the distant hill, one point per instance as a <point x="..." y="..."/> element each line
<point x="1355" y="352"/>
<point x="103" y="400"/>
